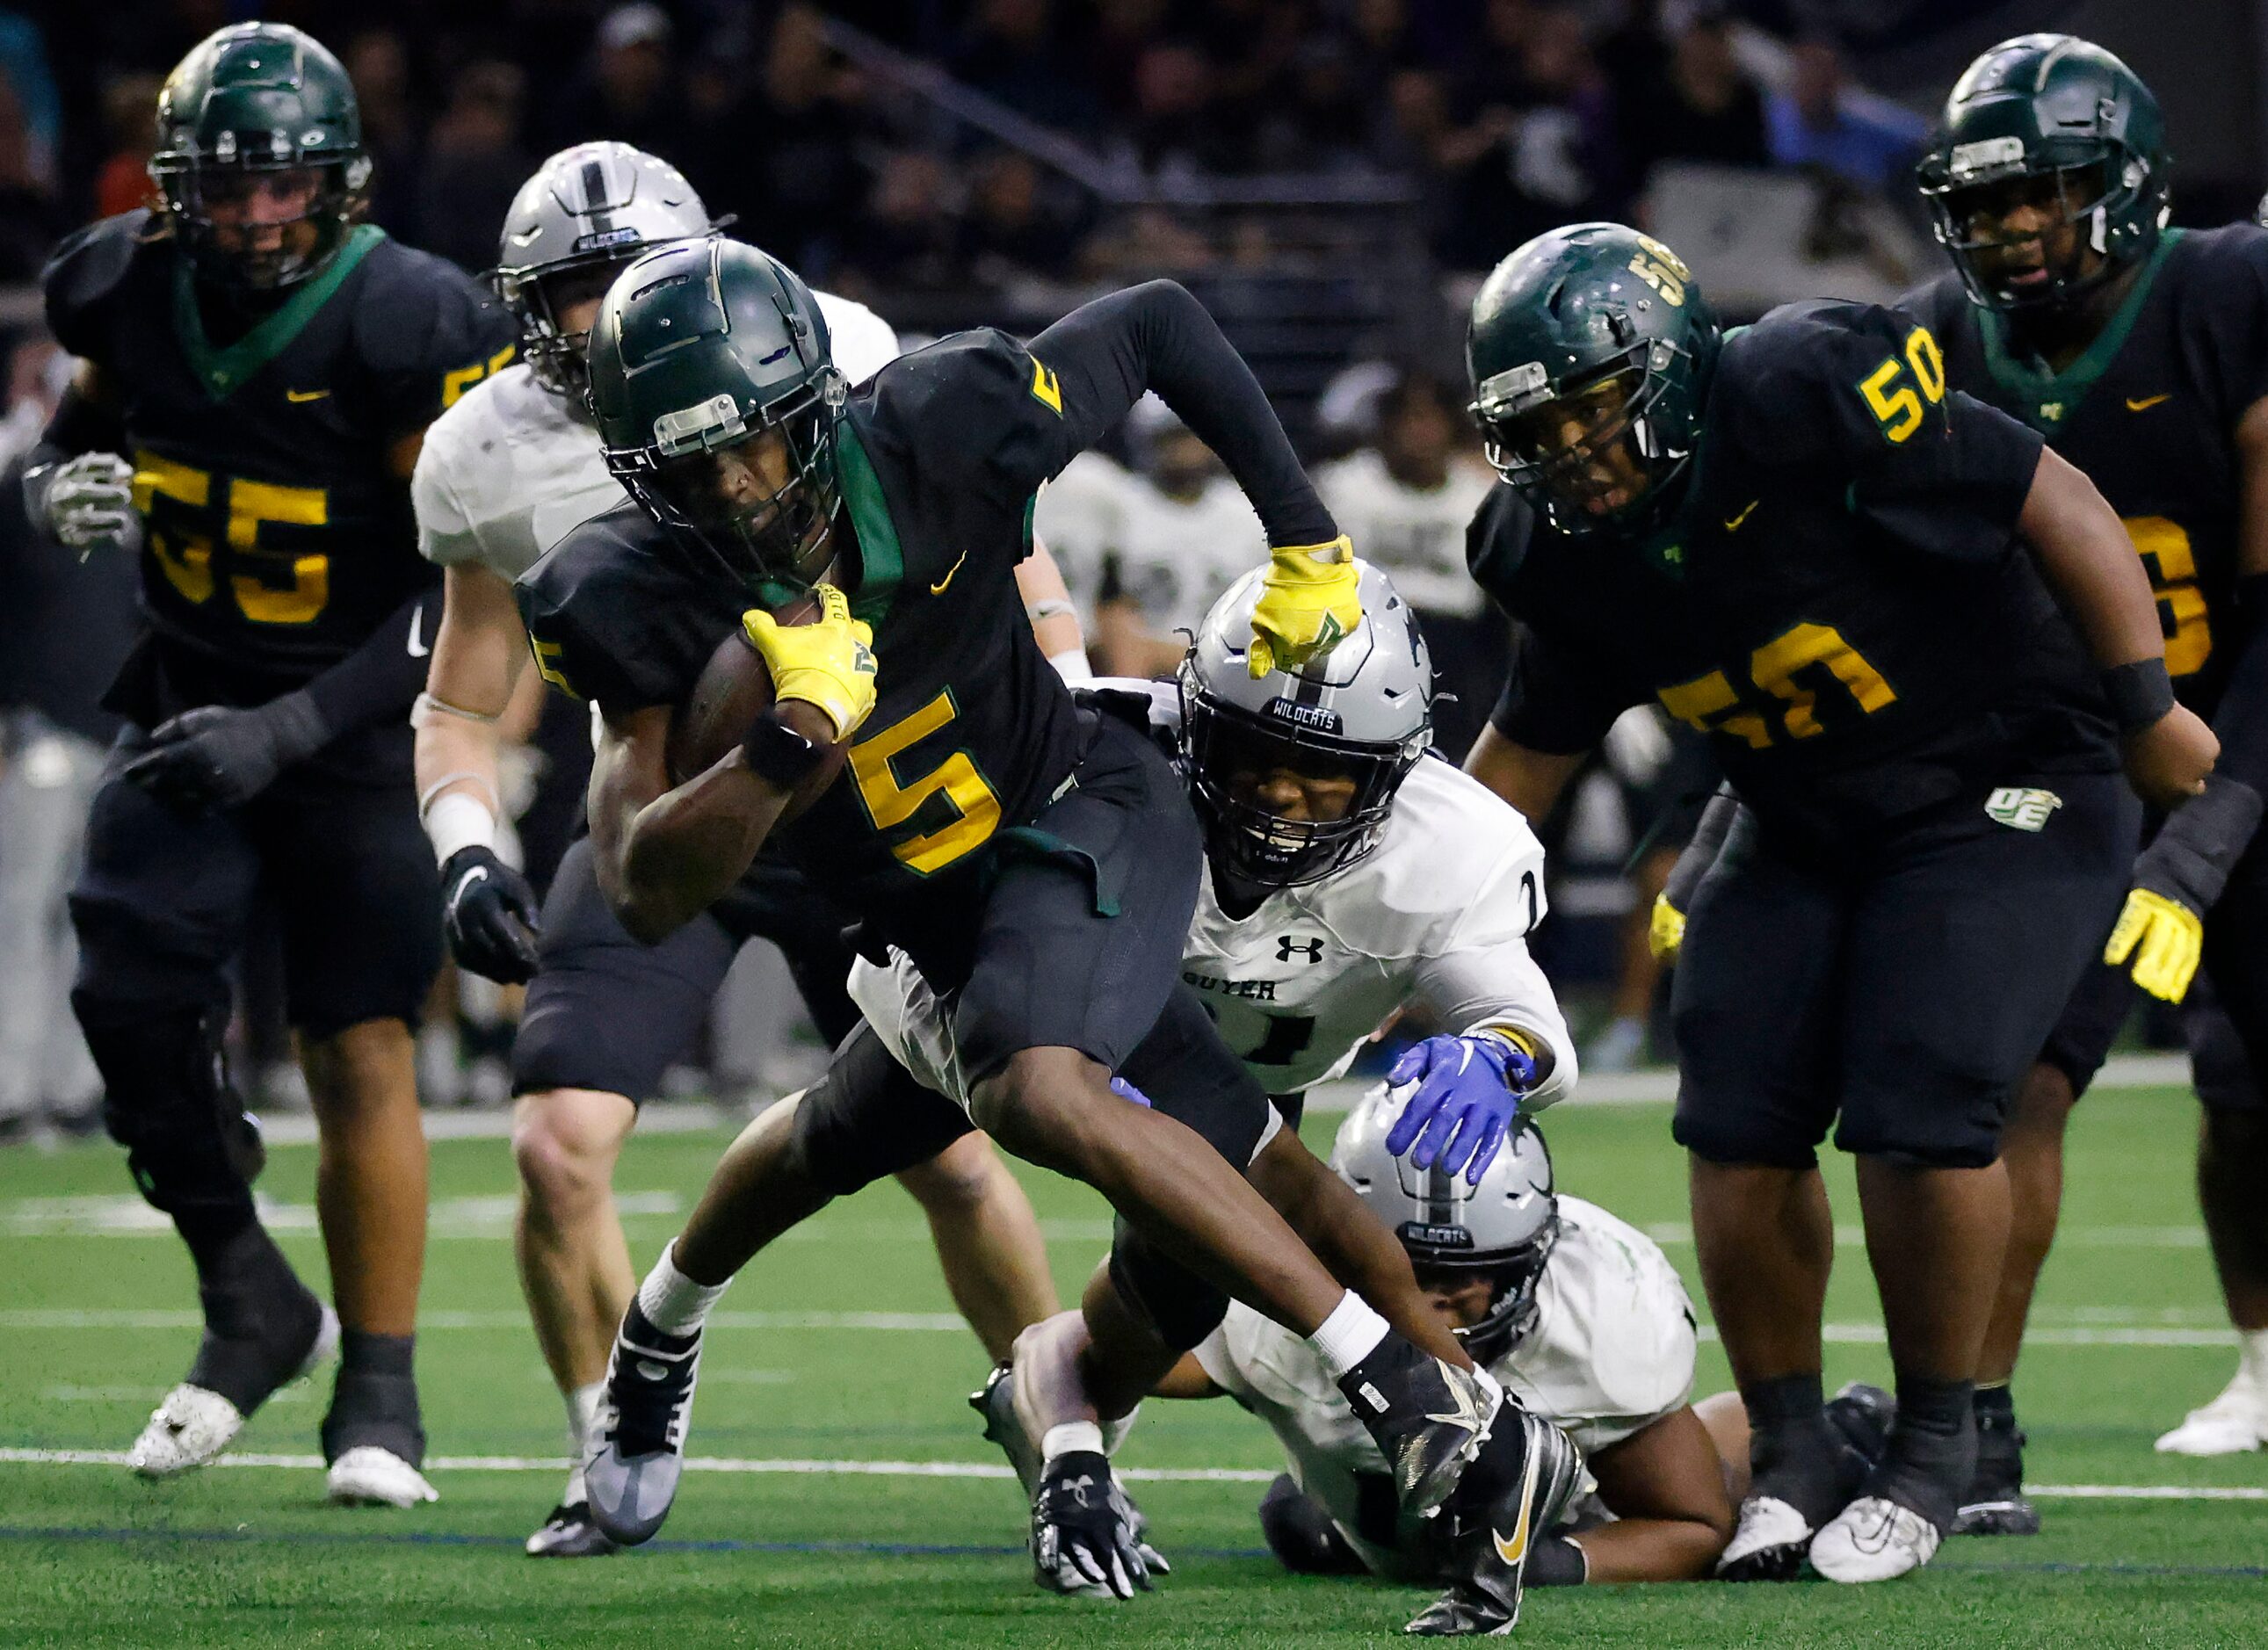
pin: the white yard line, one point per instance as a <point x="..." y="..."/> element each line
<point x="996" y="1470"/>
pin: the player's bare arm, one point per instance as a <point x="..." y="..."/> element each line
<point x="1665" y="1485"/>
<point x="2090" y="562"/>
<point x="1530" y="780"/>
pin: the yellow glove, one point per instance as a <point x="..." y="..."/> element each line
<point x="2171" y="937"/>
<point x="1306" y="603"/>
<point x="829" y="663"/>
<point x="1666" y="931"/>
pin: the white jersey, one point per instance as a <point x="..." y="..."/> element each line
<point x="1170" y="557"/>
<point x="1610" y="1352"/>
<point x="510" y="467"/>
<point x="1416" y="534"/>
<point x="1438" y="911"/>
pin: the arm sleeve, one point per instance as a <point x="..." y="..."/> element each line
<point x="380" y="679"/>
<point x="2241" y="721"/>
<point x="79" y="425"/>
<point x="1555" y="700"/>
<point x="1089" y="369"/>
<point x="1859" y="391"/>
<point x="1699" y="854"/>
<point x="80" y="281"/>
<point x="1482" y="974"/>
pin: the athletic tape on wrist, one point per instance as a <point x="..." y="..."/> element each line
<point x="457" y="820"/>
<point x="1071" y="666"/>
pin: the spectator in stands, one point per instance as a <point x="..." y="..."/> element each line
<point x="1175" y="127"/>
<point x="1701" y="106"/>
<point x="29" y="218"/>
<point x="1012" y="51"/>
<point x="1812" y="123"/>
<point x="629" y="91"/>
<point x="475" y="164"/>
<point x="1405" y="499"/>
<point x="906" y="234"/>
<point x="1016" y="227"/>
<point x="64" y="629"/>
<point x="129" y="107"/>
<point x="378" y="62"/>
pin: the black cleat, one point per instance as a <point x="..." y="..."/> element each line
<point x="1862" y="1414"/>
<point x="1491" y="1555"/>
<point x="632" y="1476"/>
<point x="1428" y="1417"/>
<point x="1995" y="1504"/>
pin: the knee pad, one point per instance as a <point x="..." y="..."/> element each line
<point x="166" y="1099"/>
<point x="867" y="1118"/>
<point x="1181" y="1308"/>
<point x="1301" y="1535"/>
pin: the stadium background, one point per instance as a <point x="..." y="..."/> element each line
<point x="1329" y="175"/>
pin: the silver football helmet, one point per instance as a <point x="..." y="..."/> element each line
<point x="1505" y="1227"/>
<point x="1364" y="710"/>
<point x="587" y="213"/>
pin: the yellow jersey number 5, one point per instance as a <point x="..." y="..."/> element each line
<point x="891" y="802"/>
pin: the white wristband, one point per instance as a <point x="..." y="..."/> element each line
<point x="456" y="821"/>
<point x="1071" y="666"/>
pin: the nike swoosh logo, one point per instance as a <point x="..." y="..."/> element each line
<point x="478" y="873"/>
<point x="417" y="644"/>
<point x="2147" y="401"/>
<point x="1515" y="1549"/>
<point x="1734" y="525"/>
<point x="305" y="395"/>
<point x="938" y="589"/>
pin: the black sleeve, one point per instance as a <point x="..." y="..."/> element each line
<point x="1497" y="540"/>
<point x="1716" y="823"/>
<point x="381" y="678"/>
<point x="2241" y="721"/>
<point x="427" y="333"/>
<point x="604" y="625"/>
<point x="1083" y="374"/>
<point x="1557" y="700"/>
<point x="1858" y="391"/>
<point x="79" y="425"/>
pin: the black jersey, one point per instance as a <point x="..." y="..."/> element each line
<point x="941" y="455"/>
<point x="1839" y="600"/>
<point x="2149" y="410"/>
<point x="278" y="536"/>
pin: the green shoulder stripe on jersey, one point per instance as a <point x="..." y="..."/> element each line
<point x="883" y="562"/>
<point x="222" y="372"/>
<point x="2047" y="400"/>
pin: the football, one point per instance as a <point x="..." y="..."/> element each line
<point x="733" y="690"/>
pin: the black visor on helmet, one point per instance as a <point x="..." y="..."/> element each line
<point x="1228" y="750"/>
<point x="203" y="192"/>
<point x="775" y="545"/>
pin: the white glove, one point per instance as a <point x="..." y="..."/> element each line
<point x="87" y="501"/>
<point x="1637" y="745"/>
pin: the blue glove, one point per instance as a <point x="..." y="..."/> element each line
<point x="1468" y="1094"/>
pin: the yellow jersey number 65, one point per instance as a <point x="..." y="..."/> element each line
<point x="1896" y="403"/>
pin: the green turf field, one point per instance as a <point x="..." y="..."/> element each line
<point x="837" y="1349"/>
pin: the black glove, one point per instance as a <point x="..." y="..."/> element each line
<point x="490" y="914"/>
<point x="216" y="757"/>
<point x="1087" y="1537"/>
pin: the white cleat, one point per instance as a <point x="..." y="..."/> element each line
<point x="1769" y="1545"/>
<point x="194" y="1425"/>
<point x="367" y="1476"/>
<point x="191" y="1427"/>
<point x="1874" y="1539"/>
<point x="2232" y="1424"/>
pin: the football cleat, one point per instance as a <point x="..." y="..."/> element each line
<point x="569" y="1533"/>
<point x="1085" y="1538"/>
<point x="369" y="1476"/>
<point x="633" y="1470"/>
<point x="1874" y="1539"/>
<point x="1862" y="1415"/>
<point x="1492" y="1556"/>
<point x="1995" y="1504"/>
<point x="1428" y="1417"/>
<point x="2232" y="1424"/>
<point x="1769" y="1542"/>
<point x="194" y="1424"/>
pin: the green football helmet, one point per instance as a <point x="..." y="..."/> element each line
<point x="1601" y="325"/>
<point x="700" y="350"/>
<point x="2054" y="107"/>
<point x="249" y="100"/>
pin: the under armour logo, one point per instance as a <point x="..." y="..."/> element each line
<point x="1285" y="945"/>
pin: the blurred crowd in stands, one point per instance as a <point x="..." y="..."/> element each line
<point x="1502" y="117"/>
